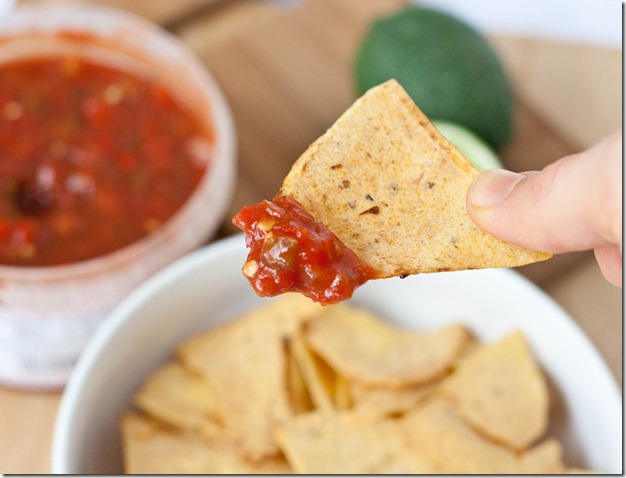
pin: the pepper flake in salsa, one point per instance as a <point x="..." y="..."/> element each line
<point x="91" y="159"/>
<point x="290" y="251"/>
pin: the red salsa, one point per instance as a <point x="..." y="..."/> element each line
<point x="290" y="251"/>
<point x="91" y="159"/>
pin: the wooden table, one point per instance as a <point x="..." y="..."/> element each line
<point x="286" y="72"/>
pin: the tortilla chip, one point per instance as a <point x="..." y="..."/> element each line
<point x="151" y="448"/>
<point x="244" y="363"/>
<point x="547" y="456"/>
<point x="327" y="442"/>
<point x="438" y="435"/>
<point x="393" y="189"/>
<point x="364" y="348"/>
<point x="342" y="393"/>
<point x="297" y="390"/>
<point x="500" y="391"/>
<point x="179" y="397"/>
<point x="328" y="389"/>
<point x="379" y="402"/>
<point x="318" y="376"/>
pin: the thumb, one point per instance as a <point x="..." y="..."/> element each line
<point x="573" y="204"/>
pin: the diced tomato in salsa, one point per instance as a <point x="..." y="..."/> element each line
<point x="92" y="158"/>
<point x="290" y="251"/>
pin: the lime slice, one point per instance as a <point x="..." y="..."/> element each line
<point x="477" y="151"/>
<point x="448" y="68"/>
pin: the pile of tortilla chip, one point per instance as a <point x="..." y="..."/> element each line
<point x="294" y="387"/>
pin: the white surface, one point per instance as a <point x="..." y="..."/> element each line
<point x="207" y="287"/>
<point x="595" y="22"/>
<point x="6" y="6"/>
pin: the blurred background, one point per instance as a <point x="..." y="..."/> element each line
<point x="286" y="69"/>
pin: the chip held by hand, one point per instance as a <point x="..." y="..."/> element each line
<point x="389" y="189"/>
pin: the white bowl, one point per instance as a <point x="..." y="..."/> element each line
<point x="47" y="314"/>
<point x="207" y="287"/>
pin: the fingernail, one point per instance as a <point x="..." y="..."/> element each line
<point x="492" y="186"/>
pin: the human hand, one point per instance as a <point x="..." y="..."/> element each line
<point x="573" y="204"/>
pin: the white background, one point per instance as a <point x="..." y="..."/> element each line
<point x="596" y="22"/>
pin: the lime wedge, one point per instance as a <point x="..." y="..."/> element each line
<point x="477" y="151"/>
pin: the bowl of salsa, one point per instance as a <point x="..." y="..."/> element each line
<point x="117" y="156"/>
